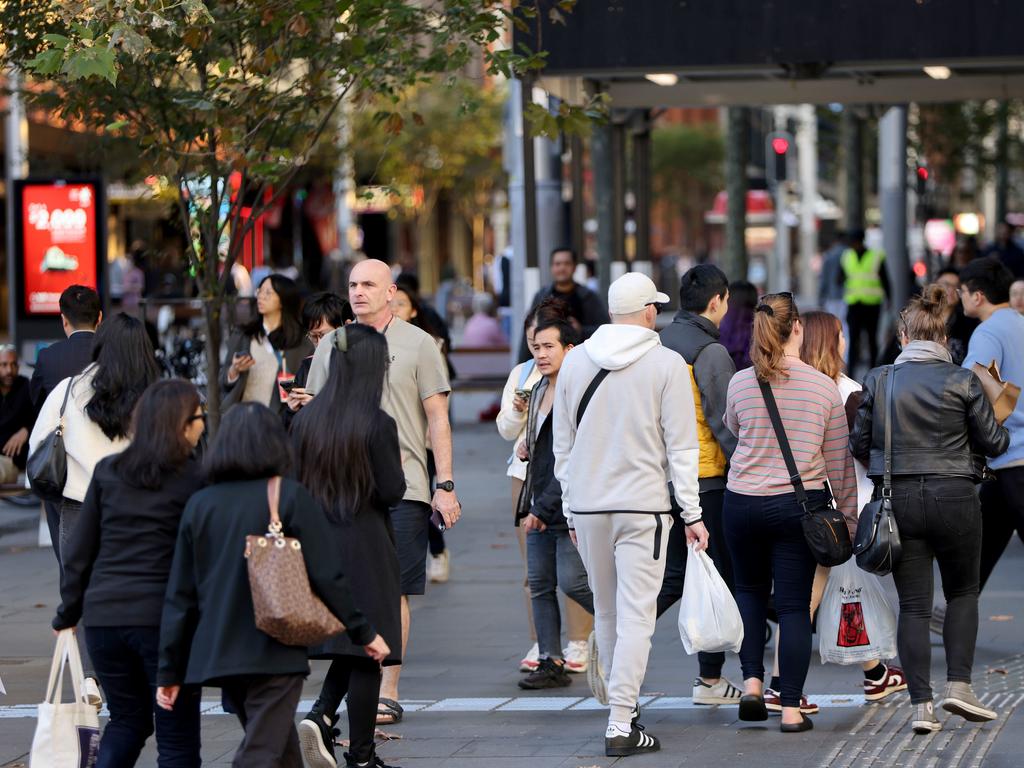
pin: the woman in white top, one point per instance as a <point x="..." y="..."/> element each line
<point x="269" y="349"/>
<point x="511" y="420"/>
<point x="99" y="407"/>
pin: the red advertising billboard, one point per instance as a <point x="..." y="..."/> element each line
<point x="60" y="224"/>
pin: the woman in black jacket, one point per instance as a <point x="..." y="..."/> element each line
<point x="942" y="427"/>
<point x="208" y="633"/>
<point x="116" y="565"/>
<point x="348" y="456"/>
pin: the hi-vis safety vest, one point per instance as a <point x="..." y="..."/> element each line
<point x="863" y="277"/>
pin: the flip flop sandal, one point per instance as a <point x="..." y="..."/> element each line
<point x="389" y="708"/>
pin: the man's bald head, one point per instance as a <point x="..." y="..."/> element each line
<point x="370" y="290"/>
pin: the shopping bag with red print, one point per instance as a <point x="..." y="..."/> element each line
<point x="856" y="621"/>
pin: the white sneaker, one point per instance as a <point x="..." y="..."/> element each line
<point x="91" y="693"/>
<point x="722" y="692"/>
<point x="595" y="676"/>
<point x="531" y="660"/>
<point x="439" y="568"/>
<point x="577" y="658"/>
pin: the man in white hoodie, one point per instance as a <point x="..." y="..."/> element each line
<point x="625" y="421"/>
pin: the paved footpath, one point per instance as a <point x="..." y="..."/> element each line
<point x="459" y="686"/>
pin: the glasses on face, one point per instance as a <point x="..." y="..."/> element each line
<point x="315" y="336"/>
<point x="196" y="417"/>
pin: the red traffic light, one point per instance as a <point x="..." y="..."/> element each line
<point x="780" y="145"/>
<point x="922" y="173"/>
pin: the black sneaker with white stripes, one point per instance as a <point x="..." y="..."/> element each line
<point x="636" y="742"/>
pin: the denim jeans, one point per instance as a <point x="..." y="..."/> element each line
<point x="126" y="659"/>
<point x="553" y="561"/>
<point x="939" y="519"/>
<point x="767" y="545"/>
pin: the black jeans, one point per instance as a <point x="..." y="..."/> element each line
<point x="675" y="568"/>
<point x="1002" y="513"/>
<point x="767" y="543"/>
<point x="265" y="706"/>
<point x="359" y="678"/>
<point x="939" y="518"/>
<point x="126" y="659"/>
<point x="863" y="319"/>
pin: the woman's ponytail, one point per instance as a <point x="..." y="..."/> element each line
<point x="774" y="316"/>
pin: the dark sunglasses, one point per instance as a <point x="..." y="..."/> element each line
<point x="195" y="417"/>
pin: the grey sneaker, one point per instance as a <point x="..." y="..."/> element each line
<point x="924" y="719"/>
<point x="960" y="700"/>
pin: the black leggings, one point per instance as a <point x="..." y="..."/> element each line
<point x="1002" y="512"/>
<point x="359" y="678"/>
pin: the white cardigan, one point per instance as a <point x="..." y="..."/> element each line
<point x="512" y="423"/>
<point x="84" y="441"/>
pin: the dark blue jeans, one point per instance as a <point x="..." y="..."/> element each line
<point x="767" y="545"/>
<point x="125" y="659"/>
<point x="552" y="560"/>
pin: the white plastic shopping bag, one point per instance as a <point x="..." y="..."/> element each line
<point x="709" y="619"/>
<point x="856" y="621"/>
<point x="67" y="735"/>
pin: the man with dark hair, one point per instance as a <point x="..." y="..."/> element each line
<point x="321" y="314"/>
<point x="80" y="313"/>
<point x="17" y="416"/>
<point x="586" y="310"/>
<point x="693" y="333"/>
<point x="1005" y="248"/>
<point x="985" y="294"/>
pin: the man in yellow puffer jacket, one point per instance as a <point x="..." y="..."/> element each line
<point x="693" y="333"/>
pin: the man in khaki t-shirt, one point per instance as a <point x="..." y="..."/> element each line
<point x="416" y="397"/>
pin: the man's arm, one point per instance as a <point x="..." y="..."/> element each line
<point x="563" y="433"/>
<point x="440" y="430"/>
<point x="679" y="424"/>
<point x="713" y="370"/>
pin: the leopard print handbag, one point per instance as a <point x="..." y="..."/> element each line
<point x="284" y="604"/>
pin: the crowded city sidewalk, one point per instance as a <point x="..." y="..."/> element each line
<point x="460" y="694"/>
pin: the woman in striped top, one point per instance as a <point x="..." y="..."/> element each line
<point x="761" y="515"/>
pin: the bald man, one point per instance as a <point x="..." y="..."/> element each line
<point x="416" y="397"/>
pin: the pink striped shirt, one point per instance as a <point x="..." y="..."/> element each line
<point x="815" y="422"/>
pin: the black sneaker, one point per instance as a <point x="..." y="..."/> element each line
<point x="636" y="743"/>
<point x="316" y="740"/>
<point x="373" y="762"/>
<point x="547" y="675"/>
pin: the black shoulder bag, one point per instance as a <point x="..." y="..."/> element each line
<point x="877" y="545"/>
<point x="824" y="525"/>
<point x="47" y="467"/>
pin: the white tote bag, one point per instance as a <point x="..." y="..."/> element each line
<point x="67" y="735"/>
<point x="856" y="622"/>
<point x="709" y="619"/>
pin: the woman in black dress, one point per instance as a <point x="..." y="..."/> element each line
<point x="349" y="459"/>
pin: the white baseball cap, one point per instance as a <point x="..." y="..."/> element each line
<point x="632" y="292"/>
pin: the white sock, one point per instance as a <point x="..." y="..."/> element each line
<point x="618" y="729"/>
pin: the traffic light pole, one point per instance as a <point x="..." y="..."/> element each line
<point x="892" y="193"/>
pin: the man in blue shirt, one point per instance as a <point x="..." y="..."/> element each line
<point x="985" y="294"/>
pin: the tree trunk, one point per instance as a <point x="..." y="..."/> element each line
<point x="737" y="151"/>
<point x="212" y="311"/>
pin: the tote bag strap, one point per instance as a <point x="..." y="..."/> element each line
<point x="65" y="654"/>
<point x="273" y="501"/>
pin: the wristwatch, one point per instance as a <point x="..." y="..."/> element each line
<point x="447" y="485"/>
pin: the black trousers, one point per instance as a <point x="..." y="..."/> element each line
<point x="1002" y="513"/>
<point x="863" y="319"/>
<point x="53" y="523"/>
<point x="265" y="706"/>
<point x="359" y="678"/>
<point x="939" y="519"/>
<point x="675" y="568"/>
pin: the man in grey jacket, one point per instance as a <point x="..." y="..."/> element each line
<point x="624" y="420"/>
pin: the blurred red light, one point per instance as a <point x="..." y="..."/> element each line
<point x="920" y="269"/>
<point x="780" y="145"/>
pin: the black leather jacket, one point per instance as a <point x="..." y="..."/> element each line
<point x="943" y="424"/>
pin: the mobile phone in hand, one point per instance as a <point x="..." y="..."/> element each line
<point x="437" y="519"/>
<point x="523" y="393"/>
<point x="287" y="384"/>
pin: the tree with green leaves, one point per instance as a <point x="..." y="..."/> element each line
<point x="210" y="90"/>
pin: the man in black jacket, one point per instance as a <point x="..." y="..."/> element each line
<point x="552" y="560"/>
<point x="17" y="416"/>
<point x="80" y="313"/>
<point x="586" y="310"/>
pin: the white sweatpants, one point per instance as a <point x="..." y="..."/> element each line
<point x="625" y="559"/>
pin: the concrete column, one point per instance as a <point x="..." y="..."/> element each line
<point x="550" y="210"/>
<point x="892" y="196"/>
<point x="601" y="159"/>
<point x="737" y="153"/>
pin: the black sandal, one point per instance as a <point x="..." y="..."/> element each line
<point x="389" y="708"/>
<point x="752" y="708"/>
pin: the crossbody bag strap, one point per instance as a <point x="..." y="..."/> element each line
<point x="780" y="434"/>
<point x="591" y="389"/>
<point x="889" y="409"/>
<point x="64" y="405"/>
<point x="273" y="501"/>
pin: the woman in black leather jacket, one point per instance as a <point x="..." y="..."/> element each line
<point x="942" y="428"/>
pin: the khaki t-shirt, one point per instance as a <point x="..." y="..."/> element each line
<point x="417" y="371"/>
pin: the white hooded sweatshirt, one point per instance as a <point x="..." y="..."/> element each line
<point x="639" y="430"/>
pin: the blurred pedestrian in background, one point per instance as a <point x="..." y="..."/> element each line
<point x="737" y="326"/>
<point x="17" y="416"/>
<point x="1006" y="249"/>
<point x="865" y="287"/>
<point x="1017" y="295"/>
<point x="483" y="330"/>
<point x="959" y="327"/>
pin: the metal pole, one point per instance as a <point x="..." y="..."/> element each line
<point x="604" y="198"/>
<point x="619" y="192"/>
<point x="779" y="277"/>
<point x="737" y="153"/>
<point x="852" y="129"/>
<point x="16" y="167"/>
<point x="529" y="175"/>
<point x="892" y="194"/>
<point x="577" y="212"/>
<point x="642" y="188"/>
<point x="807" y="163"/>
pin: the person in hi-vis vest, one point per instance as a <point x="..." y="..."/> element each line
<point x="865" y="286"/>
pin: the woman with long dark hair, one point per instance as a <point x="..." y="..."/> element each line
<point x="761" y="515"/>
<point x="270" y="347"/>
<point x="941" y="422"/>
<point x="208" y="633"/>
<point x="115" y="573"/>
<point x="348" y="457"/>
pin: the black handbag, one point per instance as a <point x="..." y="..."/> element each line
<point x="877" y="545"/>
<point x="47" y="467"/>
<point x="824" y="526"/>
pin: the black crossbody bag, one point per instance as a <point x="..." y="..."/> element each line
<point x="877" y="545"/>
<point x="824" y="525"/>
<point x="47" y="467"/>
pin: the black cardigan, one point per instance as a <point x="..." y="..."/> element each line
<point x="208" y="631"/>
<point x="118" y="558"/>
